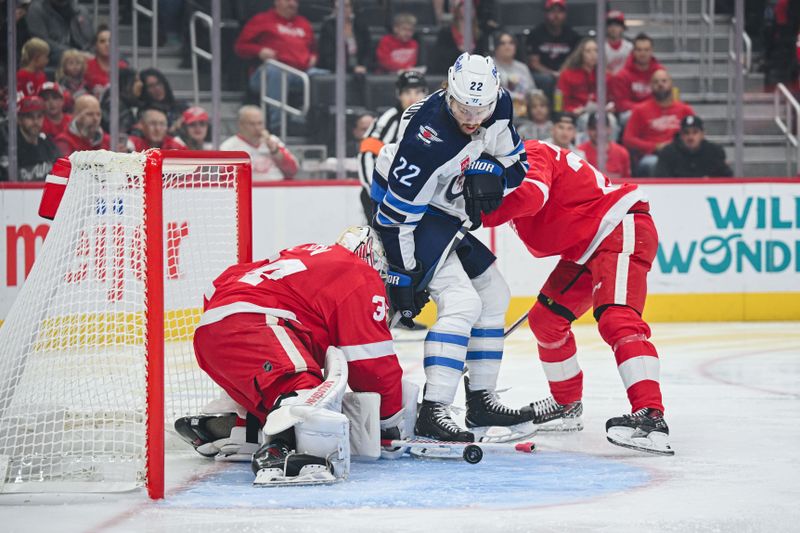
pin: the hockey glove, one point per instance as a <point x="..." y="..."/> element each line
<point x="402" y="288"/>
<point x="483" y="188"/>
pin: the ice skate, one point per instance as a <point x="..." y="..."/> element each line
<point x="644" y="430"/>
<point x="491" y="421"/>
<point x="549" y="415"/>
<point x="434" y="421"/>
<point x="274" y="464"/>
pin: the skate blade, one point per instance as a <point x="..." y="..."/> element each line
<point x="562" y="425"/>
<point x="273" y="477"/>
<point x="656" y="443"/>
<point x="503" y="433"/>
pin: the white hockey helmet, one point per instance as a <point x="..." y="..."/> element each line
<point x="472" y="88"/>
<point x="365" y="243"/>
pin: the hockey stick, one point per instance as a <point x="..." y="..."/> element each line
<point x="451" y="246"/>
<point x="471" y="452"/>
<point x="521" y="320"/>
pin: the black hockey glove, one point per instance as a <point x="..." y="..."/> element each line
<point x="405" y="295"/>
<point x="483" y="188"/>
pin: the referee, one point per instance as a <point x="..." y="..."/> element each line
<point x="411" y="88"/>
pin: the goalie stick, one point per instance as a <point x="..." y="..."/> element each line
<point x="471" y="452"/>
<point x="451" y="246"/>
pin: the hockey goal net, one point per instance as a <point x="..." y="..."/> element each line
<point x="96" y="352"/>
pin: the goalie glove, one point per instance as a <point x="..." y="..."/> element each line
<point x="483" y="188"/>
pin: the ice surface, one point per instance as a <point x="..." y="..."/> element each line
<point x="731" y="391"/>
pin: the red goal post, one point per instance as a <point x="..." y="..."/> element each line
<point x="95" y="354"/>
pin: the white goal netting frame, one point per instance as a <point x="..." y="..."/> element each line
<point x="96" y="352"/>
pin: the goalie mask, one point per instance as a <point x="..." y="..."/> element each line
<point x="365" y="243"/>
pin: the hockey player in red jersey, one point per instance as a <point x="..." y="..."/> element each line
<point x="267" y="331"/>
<point x="607" y="241"/>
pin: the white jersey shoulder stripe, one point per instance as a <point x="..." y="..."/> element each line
<point x="218" y="313"/>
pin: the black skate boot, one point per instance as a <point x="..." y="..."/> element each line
<point x="435" y="422"/>
<point x="484" y="411"/>
<point x="275" y="464"/>
<point x="644" y="430"/>
<point x="549" y="415"/>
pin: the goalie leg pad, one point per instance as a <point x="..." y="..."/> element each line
<point x="326" y="434"/>
<point x="363" y="411"/>
<point x="327" y="395"/>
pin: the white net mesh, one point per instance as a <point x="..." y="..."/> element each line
<point x="73" y="350"/>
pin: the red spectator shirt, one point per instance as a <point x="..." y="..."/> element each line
<point x="291" y="39"/>
<point x="618" y="161"/>
<point x="140" y="144"/>
<point x="53" y="129"/>
<point x="651" y="124"/>
<point x="394" y="55"/>
<point x="336" y="296"/>
<point x="96" y="78"/>
<point x="564" y="207"/>
<point x="577" y="86"/>
<point x="69" y="141"/>
<point x="631" y="86"/>
<point x="29" y="82"/>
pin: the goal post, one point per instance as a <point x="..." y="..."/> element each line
<point x="96" y="352"/>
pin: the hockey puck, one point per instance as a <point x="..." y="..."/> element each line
<point x="473" y="454"/>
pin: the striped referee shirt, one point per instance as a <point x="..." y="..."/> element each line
<point x="383" y="131"/>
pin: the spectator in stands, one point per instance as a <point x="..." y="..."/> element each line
<point x="64" y="24"/>
<point x="549" y="44"/>
<point x="154" y="133"/>
<point x="84" y="132"/>
<point x="653" y="123"/>
<point x="70" y="75"/>
<point x="358" y="49"/>
<point x="537" y="124"/>
<point x="157" y="93"/>
<point x="398" y="51"/>
<point x="55" y="120"/>
<point x="194" y="129"/>
<point x="34" y="58"/>
<point x="283" y="35"/>
<point x="631" y="85"/>
<point x="563" y="133"/>
<point x="20" y="16"/>
<point x="780" y="32"/>
<point x="577" y="86"/>
<point x="450" y="41"/>
<point x="618" y="161"/>
<point x="271" y="160"/>
<point x="99" y="66"/>
<point x="130" y="92"/>
<point x="485" y="11"/>
<point x="618" y="48"/>
<point x="690" y="155"/>
<point x="35" y="152"/>
<point x="515" y="75"/>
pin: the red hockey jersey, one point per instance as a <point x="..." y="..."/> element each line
<point x="335" y="295"/>
<point x="565" y="206"/>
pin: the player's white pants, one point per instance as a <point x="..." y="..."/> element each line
<point x="470" y="317"/>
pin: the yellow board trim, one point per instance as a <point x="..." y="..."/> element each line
<point x="111" y="328"/>
<point x="701" y="307"/>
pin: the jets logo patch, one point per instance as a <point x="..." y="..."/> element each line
<point x="428" y="135"/>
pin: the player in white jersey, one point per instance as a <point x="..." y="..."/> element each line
<point x="411" y="88"/>
<point x="457" y="155"/>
